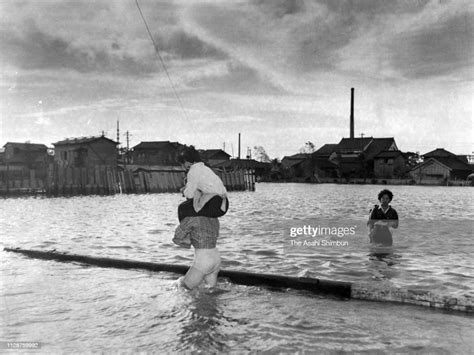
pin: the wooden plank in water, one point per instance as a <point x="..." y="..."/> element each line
<point x="362" y="291"/>
<point x="342" y="289"/>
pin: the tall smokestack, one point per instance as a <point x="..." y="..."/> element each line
<point x="352" y="112"/>
<point x="239" y="147"/>
<point x="118" y="132"/>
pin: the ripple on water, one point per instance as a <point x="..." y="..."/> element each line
<point x="77" y="304"/>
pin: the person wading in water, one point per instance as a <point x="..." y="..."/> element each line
<point x="381" y="219"/>
<point x="198" y="216"/>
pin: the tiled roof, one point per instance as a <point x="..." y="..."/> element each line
<point x="444" y="156"/>
<point x="292" y="160"/>
<point x="353" y="144"/>
<point x="209" y="153"/>
<point x="377" y="146"/>
<point x="450" y="163"/>
<point x="82" y="140"/>
<point x="27" y="146"/>
<point x="157" y="145"/>
<point x="454" y="163"/>
<point x="326" y="149"/>
<point x="439" y="152"/>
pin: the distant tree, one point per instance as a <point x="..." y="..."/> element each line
<point x="308" y="148"/>
<point x="260" y="154"/>
<point x="413" y="159"/>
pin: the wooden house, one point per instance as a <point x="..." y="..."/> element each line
<point x="439" y="166"/>
<point x="355" y="156"/>
<point x="25" y="155"/>
<point x="213" y="156"/>
<point x="157" y="153"/>
<point x="262" y="170"/>
<point x="322" y="161"/>
<point x="390" y="164"/>
<point x="298" y="167"/>
<point x="86" y="152"/>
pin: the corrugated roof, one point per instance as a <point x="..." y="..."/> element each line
<point x="82" y="140"/>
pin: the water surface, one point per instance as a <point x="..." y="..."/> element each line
<point x="75" y="307"/>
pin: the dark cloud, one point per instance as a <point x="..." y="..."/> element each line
<point x="438" y="50"/>
<point x="319" y="40"/>
<point x="280" y="8"/>
<point x="35" y="49"/>
<point x="238" y="79"/>
<point x="351" y="8"/>
<point x="186" y="46"/>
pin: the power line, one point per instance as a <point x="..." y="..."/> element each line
<point x="161" y="60"/>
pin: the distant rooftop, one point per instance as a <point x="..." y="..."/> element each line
<point x="82" y="140"/>
<point x="157" y="145"/>
<point x="26" y="146"/>
<point x="326" y="149"/>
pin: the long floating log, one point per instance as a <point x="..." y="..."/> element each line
<point x="341" y="289"/>
<point x="361" y="291"/>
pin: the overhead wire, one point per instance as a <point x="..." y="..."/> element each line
<point x="155" y="46"/>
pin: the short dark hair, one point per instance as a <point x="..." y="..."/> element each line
<point x="385" y="192"/>
<point x="189" y="154"/>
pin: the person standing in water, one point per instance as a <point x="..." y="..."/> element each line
<point x="381" y="219"/>
<point x="206" y="201"/>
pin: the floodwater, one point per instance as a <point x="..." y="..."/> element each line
<point x="74" y="307"/>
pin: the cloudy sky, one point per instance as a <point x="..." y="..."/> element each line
<point x="278" y="71"/>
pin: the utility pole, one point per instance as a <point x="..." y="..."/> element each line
<point x="352" y="114"/>
<point x="239" y="148"/>
<point x="128" y="147"/>
<point x="118" y="132"/>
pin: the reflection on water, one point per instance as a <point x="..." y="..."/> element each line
<point x="383" y="262"/>
<point x="78" y="308"/>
